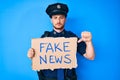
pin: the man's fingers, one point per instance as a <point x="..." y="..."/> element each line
<point x="80" y="40"/>
<point x="31" y="53"/>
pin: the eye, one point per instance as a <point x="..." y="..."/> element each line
<point x="55" y="17"/>
<point x="62" y="17"/>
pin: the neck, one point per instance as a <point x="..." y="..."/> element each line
<point x="58" y="30"/>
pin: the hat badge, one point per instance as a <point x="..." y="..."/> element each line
<point x="58" y="6"/>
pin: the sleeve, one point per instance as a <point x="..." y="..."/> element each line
<point x="81" y="48"/>
<point x="71" y="34"/>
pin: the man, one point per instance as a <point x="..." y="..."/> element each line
<point x="58" y="13"/>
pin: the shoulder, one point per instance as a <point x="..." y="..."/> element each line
<point x="71" y="34"/>
<point x="46" y="34"/>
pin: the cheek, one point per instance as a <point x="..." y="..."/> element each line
<point x="63" y="21"/>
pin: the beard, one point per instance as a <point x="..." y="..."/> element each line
<point x="59" y="28"/>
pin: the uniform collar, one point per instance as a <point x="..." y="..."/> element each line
<point x="54" y="32"/>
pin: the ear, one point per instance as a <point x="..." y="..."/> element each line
<point x="51" y="20"/>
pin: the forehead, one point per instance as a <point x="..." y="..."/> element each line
<point x="58" y="15"/>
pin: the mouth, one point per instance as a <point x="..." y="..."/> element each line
<point x="58" y="24"/>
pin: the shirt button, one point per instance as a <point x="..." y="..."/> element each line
<point x="54" y="32"/>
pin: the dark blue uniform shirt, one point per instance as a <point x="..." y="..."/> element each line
<point x="81" y="48"/>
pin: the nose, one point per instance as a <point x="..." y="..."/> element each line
<point x="58" y="20"/>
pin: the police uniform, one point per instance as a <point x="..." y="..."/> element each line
<point x="69" y="74"/>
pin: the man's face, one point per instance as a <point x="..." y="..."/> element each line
<point x="58" y="21"/>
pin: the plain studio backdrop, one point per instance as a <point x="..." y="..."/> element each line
<point x="22" y="20"/>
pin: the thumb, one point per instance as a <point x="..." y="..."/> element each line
<point x="80" y="40"/>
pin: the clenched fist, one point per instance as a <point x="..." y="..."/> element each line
<point x="85" y="36"/>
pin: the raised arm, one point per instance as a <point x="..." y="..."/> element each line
<point x="87" y="38"/>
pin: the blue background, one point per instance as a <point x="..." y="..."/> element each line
<point x="22" y="20"/>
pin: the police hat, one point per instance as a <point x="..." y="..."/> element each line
<point x="57" y="8"/>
